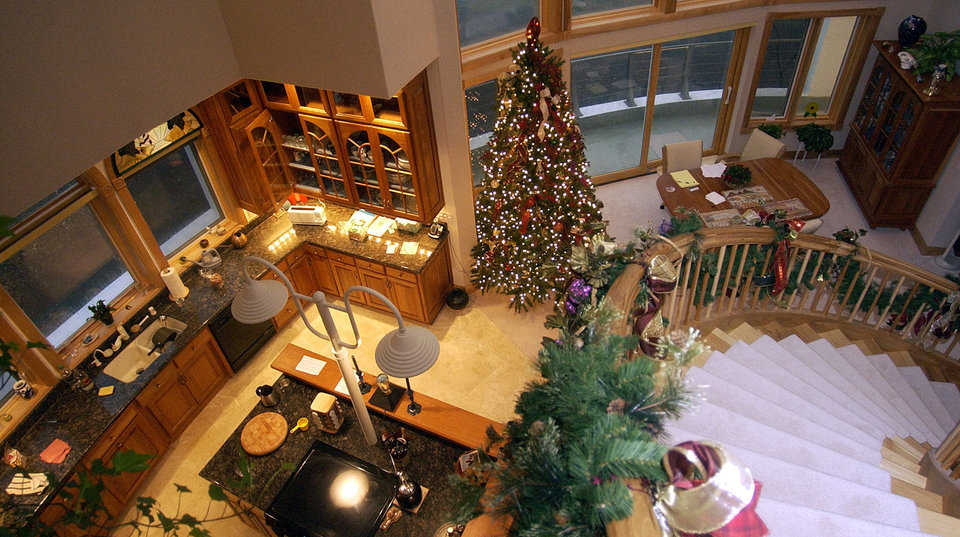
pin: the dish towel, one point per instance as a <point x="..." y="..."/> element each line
<point x="23" y="484"/>
<point x="56" y="452"/>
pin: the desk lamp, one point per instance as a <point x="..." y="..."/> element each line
<point x="260" y="300"/>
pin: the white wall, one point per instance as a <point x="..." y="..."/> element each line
<point x="82" y="78"/>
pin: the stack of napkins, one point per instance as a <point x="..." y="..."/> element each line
<point x="23" y="484"/>
<point x="713" y="170"/>
<point x="56" y="452"/>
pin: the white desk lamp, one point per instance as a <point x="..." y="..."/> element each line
<point x="260" y="300"/>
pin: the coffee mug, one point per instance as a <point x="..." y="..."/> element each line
<point x="23" y="389"/>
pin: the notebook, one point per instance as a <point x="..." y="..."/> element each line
<point x="684" y="179"/>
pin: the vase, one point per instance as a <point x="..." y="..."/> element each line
<point x="910" y="30"/>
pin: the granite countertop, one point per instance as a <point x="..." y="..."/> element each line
<point x="80" y="418"/>
<point x="428" y="462"/>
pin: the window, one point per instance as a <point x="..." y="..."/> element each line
<point x="175" y="198"/>
<point x="482" y="110"/>
<point x="586" y="7"/>
<point x="688" y="80"/>
<point x="480" y="20"/>
<point x="809" y="66"/>
<point x="6" y="386"/>
<point x="70" y="266"/>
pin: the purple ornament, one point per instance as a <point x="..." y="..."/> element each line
<point x="579" y="290"/>
<point x="665" y="227"/>
<point x="570" y="306"/>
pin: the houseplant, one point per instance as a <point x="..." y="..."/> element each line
<point x="815" y="138"/>
<point x="773" y="130"/>
<point x="736" y="176"/>
<point x="102" y="312"/>
<point x="935" y="49"/>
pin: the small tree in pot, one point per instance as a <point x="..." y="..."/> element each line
<point x="772" y="129"/>
<point x="815" y="138"/>
<point x="102" y="312"/>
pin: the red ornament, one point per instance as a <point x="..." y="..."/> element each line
<point x="533" y="30"/>
<point x="558" y="227"/>
<point x="524" y="220"/>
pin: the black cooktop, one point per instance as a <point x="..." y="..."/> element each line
<point x="332" y="494"/>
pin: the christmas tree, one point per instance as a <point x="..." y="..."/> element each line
<point x="537" y="201"/>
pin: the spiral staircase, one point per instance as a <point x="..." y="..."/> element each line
<point x="851" y="426"/>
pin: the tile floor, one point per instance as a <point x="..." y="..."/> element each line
<point x="487" y="351"/>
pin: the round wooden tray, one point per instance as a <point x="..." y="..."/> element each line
<point x="264" y="433"/>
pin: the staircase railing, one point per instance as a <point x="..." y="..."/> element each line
<point x="948" y="454"/>
<point x="728" y="271"/>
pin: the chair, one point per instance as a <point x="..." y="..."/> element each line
<point x="682" y="156"/>
<point x="762" y="145"/>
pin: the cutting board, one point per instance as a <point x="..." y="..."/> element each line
<point x="264" y="433"/>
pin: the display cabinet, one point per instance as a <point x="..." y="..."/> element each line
<point x="320" y="141"/>
<point x="268" y="153"/>
<point x="898" y="141"/>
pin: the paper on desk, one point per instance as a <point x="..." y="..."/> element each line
<point x="310" y="366"/>
<point x="684" y="179"/>
<point x="341" y="387"/>
<point x="713" y="170"/>
<point x="409" y="247"/>
<point x="392" y="247"/>
<point x="715" y="198"/>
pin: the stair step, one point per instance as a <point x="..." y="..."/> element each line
<point x="920" y="496"/>
<point x="805" y="333"/>
<point x="752" y="380"/>
<point x="892" y="373"/>
<point x="949" y="395"/>
<point x="916" y="444"/>
<point x="841" y="387"/>
<point x="918" y="380"/>
<point x="836" y="337"/>
<point x="745" y="332"/>
<point x="851" y="381"/>
<point x="781" y="366"/>
<point x="799" y="485"/>
<point x="901" y="358"/>
<point x="719" y="340"/>
<point x="790" y="520"/>
<point x="733" y="429"/>
<point x="904" y="474"/>
<point x="736" y="399"/>
<point x="868" y="346"/>
<point x="879" y="390"/>
<point x="938" y="523"/>
<point x="914" y="451"/>
<point x="893" y="453"/>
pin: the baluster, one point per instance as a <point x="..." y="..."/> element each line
<point x="790" y="264"/>
<point x="672" y="307"/>
<point x="907" y="330"/>
<point x="876" y="299"/>
<point x="817" y="283"/>
<point x="733" y="298"/>
<point x="744" y="298"/>
<point x="929" y="323"/>
<point x="700" y="305"/>
<point x="846" y="296"/>
<point x="906" y="304"/>
<point x="691" y="292"/>
<point x="831" y="291"/>
<point x="893" y="296"/>
<point x="763" y="270"/>
<point x="800" y="279"/>
<point x="866" y="287"/>
<point x="716" y="279"/>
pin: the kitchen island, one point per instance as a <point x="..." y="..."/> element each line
<point x="429" y="461"/>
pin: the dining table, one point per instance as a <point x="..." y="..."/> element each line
<point x="781" y="179"/>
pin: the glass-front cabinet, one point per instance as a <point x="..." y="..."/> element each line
<point x="375" y="153"/>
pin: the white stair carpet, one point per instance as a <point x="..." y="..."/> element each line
<point x="809" y="421"/>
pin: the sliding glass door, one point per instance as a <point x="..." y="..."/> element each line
<point x="690" y="83"/>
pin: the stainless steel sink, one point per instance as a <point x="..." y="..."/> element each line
<point x="137" y="356"/>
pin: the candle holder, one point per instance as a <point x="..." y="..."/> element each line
<point x="361" y="383"/>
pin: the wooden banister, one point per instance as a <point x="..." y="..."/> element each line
<point x="948" y="454"/>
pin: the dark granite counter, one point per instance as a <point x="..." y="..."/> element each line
<point x="429" y="461"/>
<point x="80" y="418"/>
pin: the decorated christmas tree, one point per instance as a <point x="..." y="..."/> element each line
<point x="537" y="200"/>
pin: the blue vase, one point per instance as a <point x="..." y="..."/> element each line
<point x="910" y="30"/>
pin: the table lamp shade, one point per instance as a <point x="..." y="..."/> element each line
<point x="407" y="352"/>
<point x="259" y="301"/>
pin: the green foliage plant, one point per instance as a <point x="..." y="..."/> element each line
<point x="772" y="129"/>
<point x="939" y="48"/>
<point x="736" y="176"/>
<point x="815" y="138"/>
<point x="102" y="312"/>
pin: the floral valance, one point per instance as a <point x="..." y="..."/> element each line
<point x="153" y="141"/>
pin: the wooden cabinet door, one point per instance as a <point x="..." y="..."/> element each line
<point x="327" y="156"/>
<point x="323" y="274"/>
<point x="377" y="282"/>
<point x="347" y="277"/>
<point x="264" y="139"/>
<point x="168" y="398"/>
<point x="301" y="275"/>
<point x="203" y="367"/>
<point x="406" y="297"/>
<point x="142" y="435"/>
<point x="53" y="514"/>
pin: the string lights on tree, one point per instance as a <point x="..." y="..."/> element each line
<point x="537" y="200"/>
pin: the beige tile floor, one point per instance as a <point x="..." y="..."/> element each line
<point x="487" y="350"/>
<point x="486" y="357"/>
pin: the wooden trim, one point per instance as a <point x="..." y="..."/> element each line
<point x="724" y="118"/>
<point x="855" y="60"/>
<point x="44" y="213"/>
<point x="50" y="222"/>
<point x="925" y="249"/>
<point x="552" y="20"/>
<point x="803" y="68"/>
<point x="651" y="103"/>
<point x="666" y="6"/>
<point x="619" y="175"/>
<point x="757" y="67"/>
<point x="36" y="365"/>
<point x="19" y="409"/>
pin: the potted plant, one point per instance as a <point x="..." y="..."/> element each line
<point x="102" y="312"/>
<point x="936" y="49"/>
<point x="815" y="138"/>
<point x="736" y="176"/>
<point x="772" y="129"/>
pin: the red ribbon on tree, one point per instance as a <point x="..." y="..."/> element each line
<point x="780" y="256"/>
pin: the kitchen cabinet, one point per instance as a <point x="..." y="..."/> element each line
<point x="322" y="271"/>
<point x="322" y="144"/>
<point x="264" y="141"/>
<point x="347" y="277"/>
<point x="300" y="272"/>
<point x="53" y="514"/>
<point x="289" y="310"/>
<point x="899" y="140"/>
<point x="377" y="282"/>
<point x="405" y="296"/>
<point x="186" y="383"/>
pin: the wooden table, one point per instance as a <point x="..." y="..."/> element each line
<point x="439" y="418"/>
<point x="781" y="179"/>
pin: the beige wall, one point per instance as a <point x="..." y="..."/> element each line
<point x="81" y="78"/>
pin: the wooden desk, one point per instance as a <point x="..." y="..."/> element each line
<point x="781" y="179"/>
<point x="439" y="418"/>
